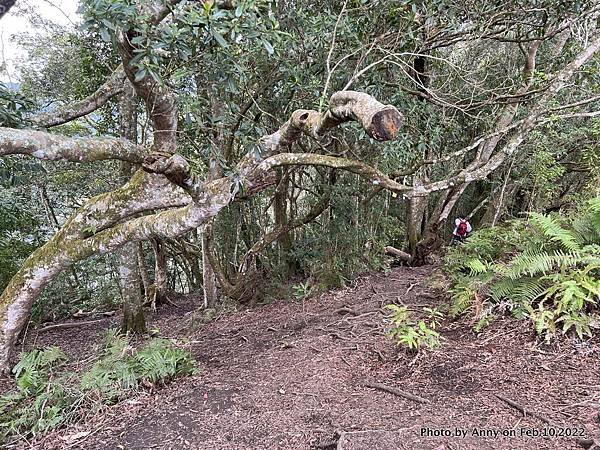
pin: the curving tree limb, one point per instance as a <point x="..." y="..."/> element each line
<point x="113" y="86"/>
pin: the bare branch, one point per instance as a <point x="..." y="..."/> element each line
<point x="535" y="117"/>
<point x="113" y="86"/>
<point x="329" y="55"/>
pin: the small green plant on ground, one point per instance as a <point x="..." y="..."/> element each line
<point x="412" y="334"/>
<point x="46" y="399"/>
<point x="545" y="269"/>
<point x="301" y="290"/>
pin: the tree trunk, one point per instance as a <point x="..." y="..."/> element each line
<point x="415" y="214"/>
<point x="160" y="273"/>
<point x="143" y="272"/>
<point x="129" y="274"/>
<point x="280" y="207"/>
<point x="209" y="281"/>
<point x="129" y="280"/>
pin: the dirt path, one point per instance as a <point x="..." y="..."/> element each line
<point x="292" y="375"/>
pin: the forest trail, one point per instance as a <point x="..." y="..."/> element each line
<point x="292" y="375"/>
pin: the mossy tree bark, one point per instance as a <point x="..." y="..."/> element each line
<point x="129" y="276"/>
<point x="131" y="289"/>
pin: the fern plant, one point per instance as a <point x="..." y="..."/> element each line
<point x="46" y="399"/>
<point x="34" y="368"/>
<point x="546" y="268"/>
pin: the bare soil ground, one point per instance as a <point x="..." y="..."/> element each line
<point x="293" y="375"/>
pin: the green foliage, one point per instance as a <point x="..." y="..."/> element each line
<point x="13" y="107"/>
<point x="20" y="227"/>
<point x="554" y="231"/>
<point x="548" y="271"/>
<point x="194" y="29"/>
<point x="46" y="399"/>
<point x="121" y="368"/>
<point x="39" y="403"/>
<point x="33" y="369"/>
<point x="301" y="290"/>
<point x="411" y="334"/>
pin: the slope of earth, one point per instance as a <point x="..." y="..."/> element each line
<point x="294" y="375"/>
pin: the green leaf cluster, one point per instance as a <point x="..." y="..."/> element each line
<point x="414" y="334"/>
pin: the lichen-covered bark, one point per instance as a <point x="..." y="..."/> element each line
<point x="129" y="282"/>
<point x="381" y="122"/>
<point x="74" y="242"/>
<point x="27" y="284"/>
<point x="53" y="147"/>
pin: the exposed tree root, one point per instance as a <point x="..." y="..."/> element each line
<point x="398" y="392"/>
<point x="522" y="409"/>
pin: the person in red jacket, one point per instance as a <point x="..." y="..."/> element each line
<point x="462" y="228"/>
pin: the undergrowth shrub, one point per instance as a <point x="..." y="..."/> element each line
<point x="412" y="334"/>
<point x="46" y="398"/>
<point x="545" y="268"/>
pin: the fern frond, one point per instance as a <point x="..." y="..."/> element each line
<point x="517" y="290"/>
<point x="594" y="205"/>
<point x="534" y="264"/>
<point x="462" y="298"/>
<point x="502" y="289"/>
<point x="553" y="230"/>
<point x="476" y="266"/>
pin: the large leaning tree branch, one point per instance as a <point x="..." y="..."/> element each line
<point x="113" y="86"/>
<point x="151" y="206"/>
<point x="54" y="147"/>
